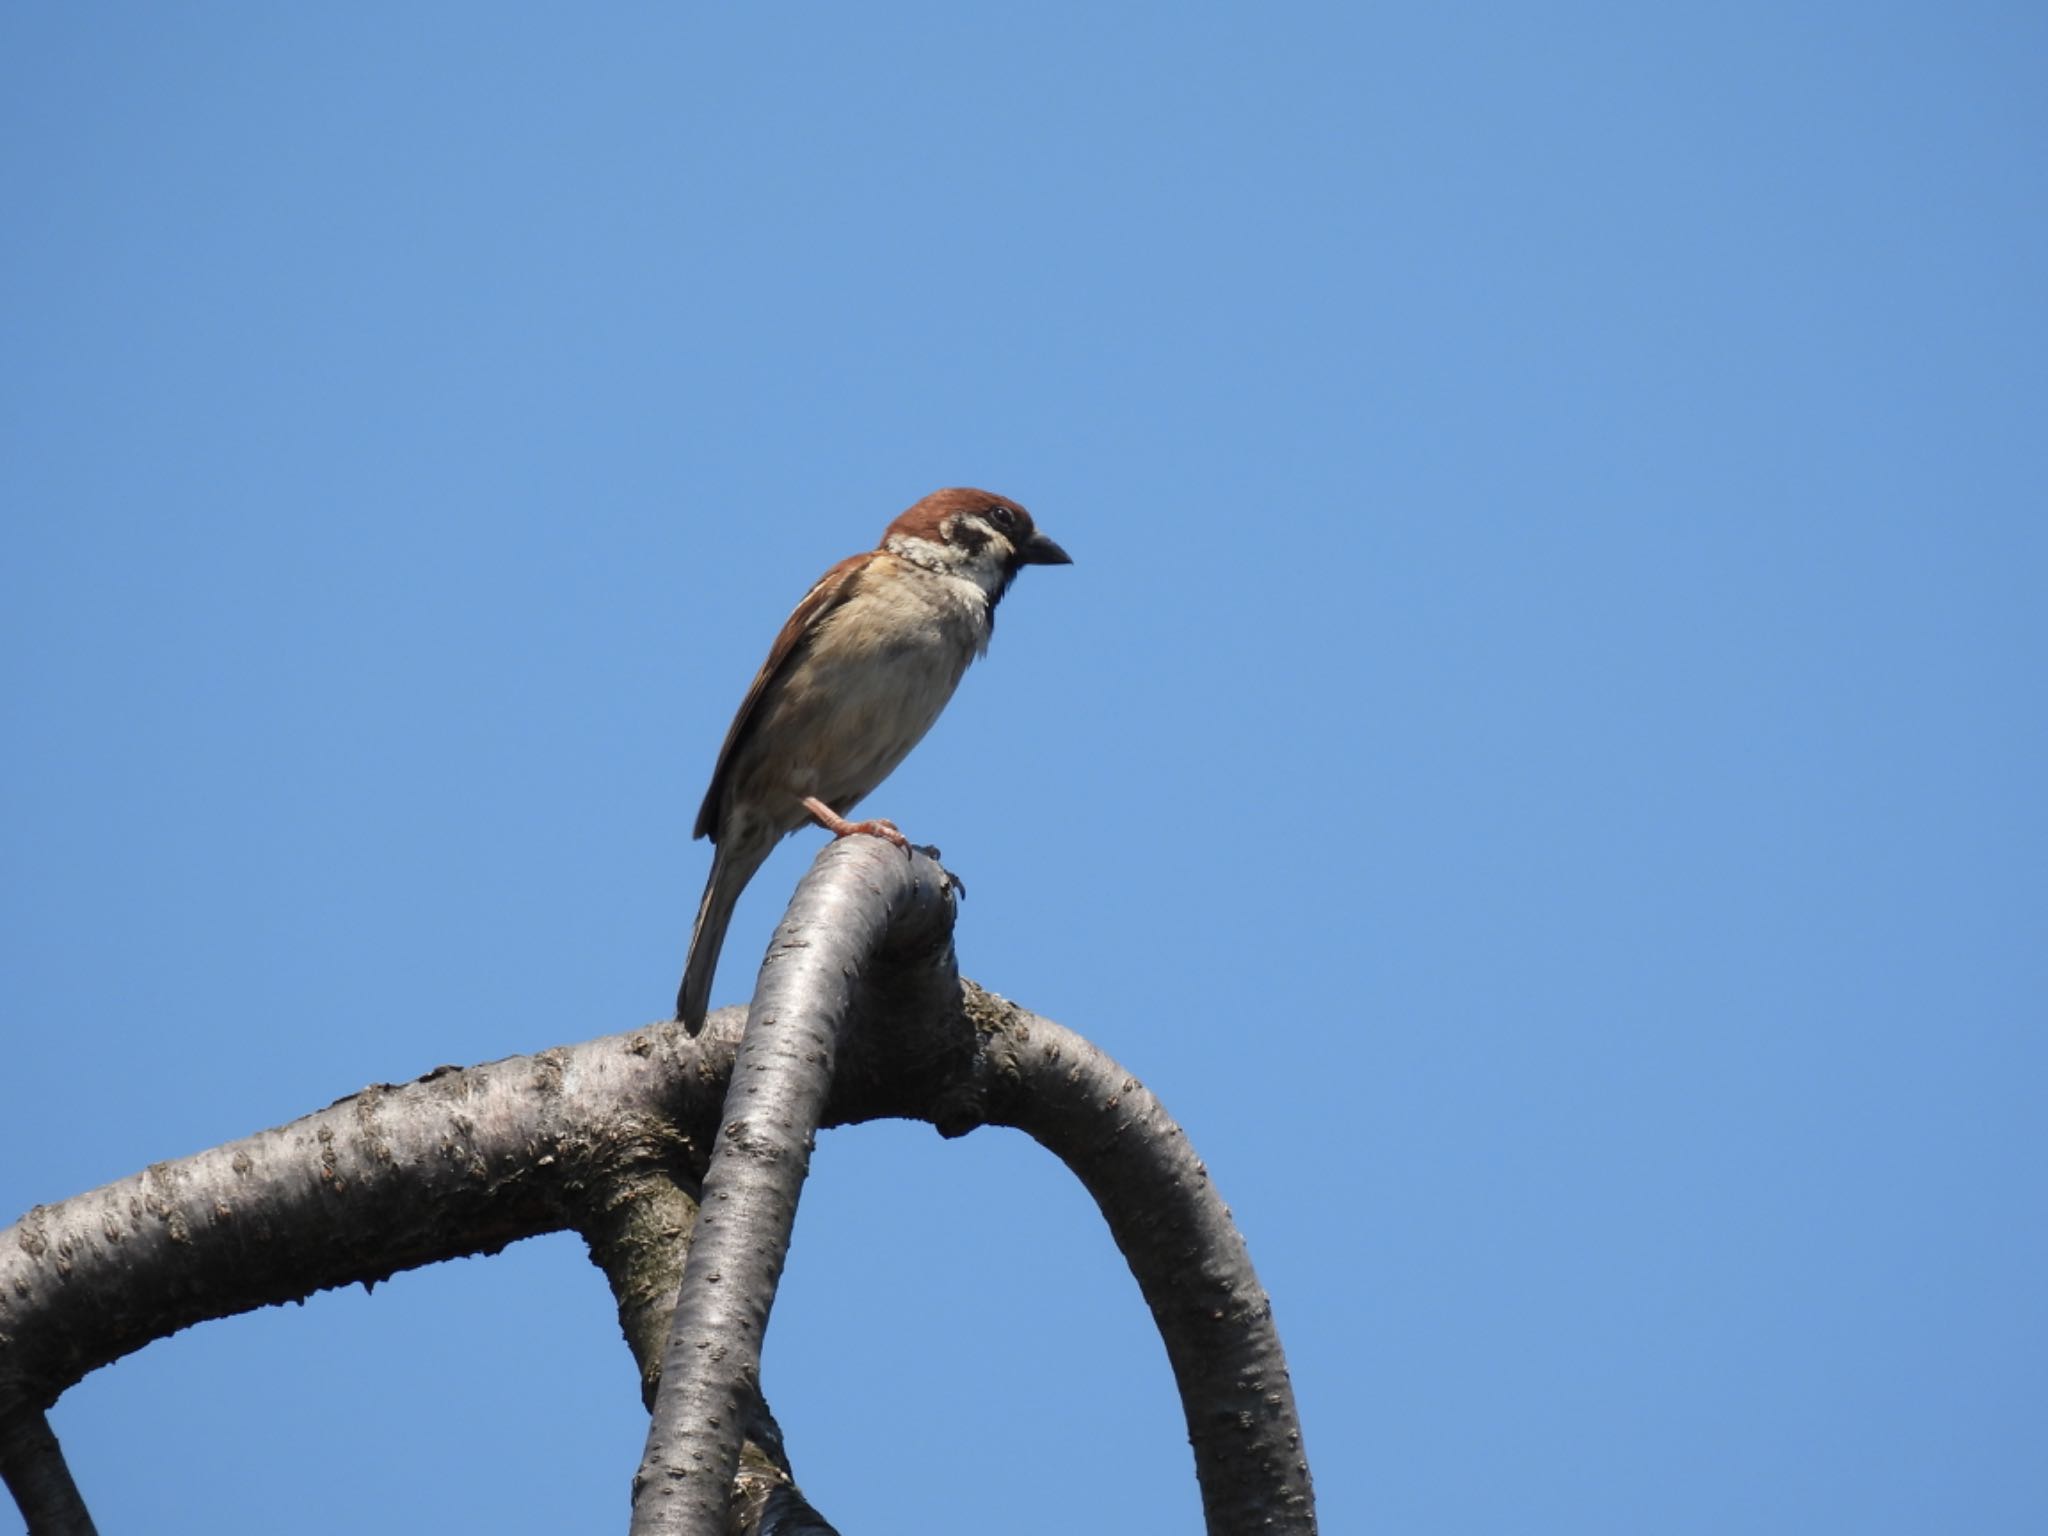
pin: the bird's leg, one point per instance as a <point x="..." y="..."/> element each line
<point x="839" y="826"/>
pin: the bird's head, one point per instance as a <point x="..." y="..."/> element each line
<point x="978" y="535"/>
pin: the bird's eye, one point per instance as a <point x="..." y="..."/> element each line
<point x="1003" y="518"/>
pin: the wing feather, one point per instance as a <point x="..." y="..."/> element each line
<point x="832" y="589"/>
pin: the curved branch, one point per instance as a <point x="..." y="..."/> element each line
<point x="609" y="1138"/>
<point x="1185" y="1251"/>
<point x="861" y="899"/>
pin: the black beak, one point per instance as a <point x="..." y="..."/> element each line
<point x="1039" y="550"/>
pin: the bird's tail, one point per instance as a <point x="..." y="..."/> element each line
<point x="731" y="869"/>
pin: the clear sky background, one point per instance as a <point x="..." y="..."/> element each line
<point x="1539" y="761"/>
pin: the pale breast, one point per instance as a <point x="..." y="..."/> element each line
<point x="876" y="676"/>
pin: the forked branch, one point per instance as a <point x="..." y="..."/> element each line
<point x="860" y="1015"/>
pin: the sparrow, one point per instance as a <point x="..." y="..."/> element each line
<point x="855" y="679"/>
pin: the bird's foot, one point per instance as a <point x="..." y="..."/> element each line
<point x="839" y="826"/>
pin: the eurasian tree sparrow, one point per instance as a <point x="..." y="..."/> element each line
<point x="855" y="679"/>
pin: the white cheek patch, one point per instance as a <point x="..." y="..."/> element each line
<point x="933" y="557"/>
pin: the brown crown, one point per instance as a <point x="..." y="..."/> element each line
<point x="926" y="518"/>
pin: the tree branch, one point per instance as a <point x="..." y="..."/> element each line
<point x="639" y="1240"/>
<point x="1185" y="1251"/>
<point x="860" y="1015"/>
<point x="861" y="899"/>
<point x="642" y="1229"/>
<point x="455" y="1163"/>
<point x="33" y="1465"/>
<point x="606" y="1138"/>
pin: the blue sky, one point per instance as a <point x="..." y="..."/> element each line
<point x="1538" y="761"/>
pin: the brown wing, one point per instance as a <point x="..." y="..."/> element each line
<point x="832" y="589"/>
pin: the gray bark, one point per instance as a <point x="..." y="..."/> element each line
<point x="1185" y="1251"/>
<point x="860" y="1015"/>
<point x="862" y="904"/>
<point x="40" y="1479"/>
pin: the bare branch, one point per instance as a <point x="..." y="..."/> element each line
<point x="640" y="1239"/>
<point x="643" y="1226"/>
<point x="33" y="1465"/>
<point x="860" y="1015"/>
<point x="457" y="1162"/>
<point x="607" y="1138"/>
<point x="860" y="899"/>
<point x="1186" y="1252"/>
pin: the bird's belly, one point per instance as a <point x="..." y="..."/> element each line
<point x="859" y="716"/>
